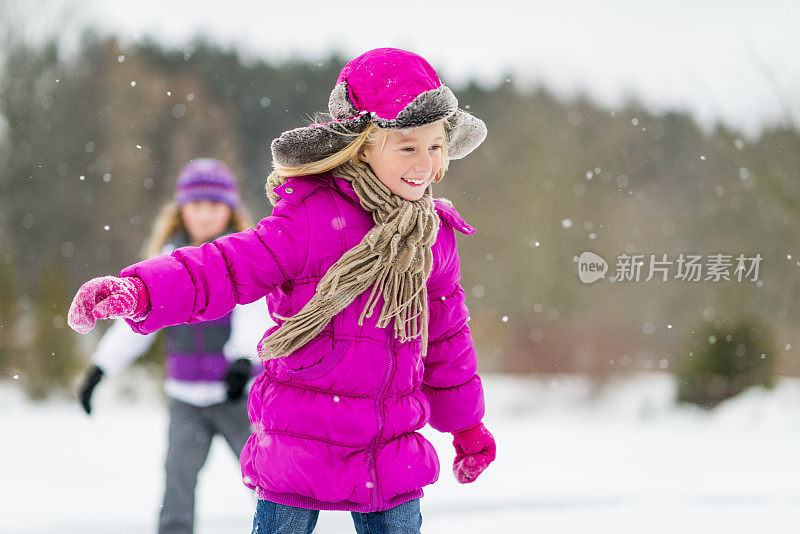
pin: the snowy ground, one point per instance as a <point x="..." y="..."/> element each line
<point x="570" y="460"/>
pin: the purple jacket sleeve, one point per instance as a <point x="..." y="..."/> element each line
<point x="451" y="382"/>
<point x="203" y="283"/>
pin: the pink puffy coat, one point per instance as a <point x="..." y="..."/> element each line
<point x="335" y="422"/>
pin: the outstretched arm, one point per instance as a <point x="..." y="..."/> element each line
<point x="202" y="283"/>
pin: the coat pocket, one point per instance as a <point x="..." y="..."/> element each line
<point x="315" y="360"/>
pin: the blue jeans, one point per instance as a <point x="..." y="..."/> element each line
<point x="273" y="518"/>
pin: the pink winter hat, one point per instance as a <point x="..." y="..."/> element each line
<point x="393" y="88"/>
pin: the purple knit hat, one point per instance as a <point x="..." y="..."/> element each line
<point x="207" y="179"/>
<point x="393" y="88"/>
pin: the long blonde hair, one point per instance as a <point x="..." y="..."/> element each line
<point x="169" y="221"/>
<point x="372" y="135"/>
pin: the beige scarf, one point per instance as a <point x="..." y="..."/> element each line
<point x="395" y="257"/>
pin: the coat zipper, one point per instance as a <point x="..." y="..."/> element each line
<point x="379" y="408"/>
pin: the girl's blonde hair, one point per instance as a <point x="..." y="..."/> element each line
<point x="353" y="152"/>
<point x="169" y="221"/>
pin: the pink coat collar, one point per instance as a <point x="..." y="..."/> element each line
<point x="298" y="187"/>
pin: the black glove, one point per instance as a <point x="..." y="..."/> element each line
<point x="91" y="380"/>
<point x="236" y="377"/>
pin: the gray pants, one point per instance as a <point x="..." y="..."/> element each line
<point x="191" y="429"/>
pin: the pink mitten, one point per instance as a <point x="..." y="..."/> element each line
<point x="475" y="450"/>
<point x="108" y="297"/>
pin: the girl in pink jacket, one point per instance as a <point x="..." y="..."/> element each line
<point x="354" y="230"/>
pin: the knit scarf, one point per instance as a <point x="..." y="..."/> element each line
<point x="395" y="257"/>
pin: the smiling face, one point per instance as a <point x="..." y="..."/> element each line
<point x="205" y="219"/>
<point x="408" y="160"/>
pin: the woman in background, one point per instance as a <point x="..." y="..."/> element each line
<point x="207" y="364"/>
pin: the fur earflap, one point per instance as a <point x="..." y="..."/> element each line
<point x="464" y="134"/>
<point x="306" y="144"/>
